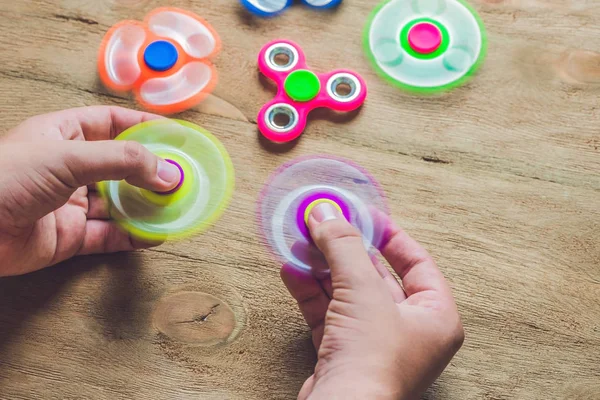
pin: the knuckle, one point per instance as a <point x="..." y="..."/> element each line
<point x="420" y="257"/>
<point x="70" y="128"/>
<point x="134" y="155"/>
<point x="455" y="334"/>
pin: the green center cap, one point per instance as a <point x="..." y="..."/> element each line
<point x="302" y="85"/>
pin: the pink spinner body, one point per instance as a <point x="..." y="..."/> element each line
<point x="297" y="111"/>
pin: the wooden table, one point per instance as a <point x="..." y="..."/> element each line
<point x="498" y="179"/>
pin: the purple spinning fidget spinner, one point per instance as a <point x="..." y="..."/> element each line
<point x="298" y="186"/>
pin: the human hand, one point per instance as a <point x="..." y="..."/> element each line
<point x="48" y="213"/>
<point x="375" y="339"/>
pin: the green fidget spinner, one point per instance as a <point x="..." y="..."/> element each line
<point x="425" y="46"/>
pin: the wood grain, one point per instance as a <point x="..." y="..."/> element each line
<point x="498" y="179"/>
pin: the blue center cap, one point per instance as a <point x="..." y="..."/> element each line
<point x="160" y="55"/>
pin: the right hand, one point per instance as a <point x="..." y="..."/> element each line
<point x="375" y="338"/>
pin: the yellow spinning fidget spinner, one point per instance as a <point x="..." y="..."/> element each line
<point x="200" y="198"/>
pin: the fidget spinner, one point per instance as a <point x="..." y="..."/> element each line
<point x="269" y="8"/>
<point x="297" y="187"/>
<point x="203" y="192"/>
<point x="300" y="91"/>
<point x="425" y="45"/>
<point x="163" y="60"/>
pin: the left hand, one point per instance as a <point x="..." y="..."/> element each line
<point x="47" y="211"/>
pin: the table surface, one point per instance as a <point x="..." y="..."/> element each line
<point x="498" y="179"/>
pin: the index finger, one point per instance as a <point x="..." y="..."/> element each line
<point x="100" y="122"/>
<point x="85" y="123"/>
<point x="413" y="264"/>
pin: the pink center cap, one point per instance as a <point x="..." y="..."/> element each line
<point x="424" y="38"/>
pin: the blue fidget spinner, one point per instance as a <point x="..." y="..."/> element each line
<point x="269" y="8"/>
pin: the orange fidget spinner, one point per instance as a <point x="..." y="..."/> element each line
<point x="163" y="60"/>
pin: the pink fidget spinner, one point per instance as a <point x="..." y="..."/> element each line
<point x="300" y="91"/>
<point x="163" y="60"/>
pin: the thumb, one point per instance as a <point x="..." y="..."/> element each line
<point x="82" y="163"/>
<point x="45" y="174"/>
<point x="343" y="248"/>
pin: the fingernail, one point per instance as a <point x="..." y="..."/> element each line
<point x="168" y="172"/>
<point x="324" y="212"/>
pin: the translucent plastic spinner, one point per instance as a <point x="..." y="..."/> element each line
<point x="203" y="193"/>
<point x="297" y="187"/>
<point x="270" y="8"/>
<point x="164" y="60"/>
<point x="425" y="46"/>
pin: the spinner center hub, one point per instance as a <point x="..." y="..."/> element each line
<point x="161" y="55"/>
<point x="314" y="199"/>
<point x="424" y="37"/>
<point x="181" y="190"/>
<point x="317" y="202"/>
<point x="302" y="85"/>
